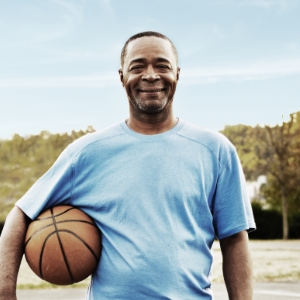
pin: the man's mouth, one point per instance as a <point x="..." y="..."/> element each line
<point x="152" y="90"/>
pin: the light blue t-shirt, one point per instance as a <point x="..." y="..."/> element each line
<point x="159" y="201"/>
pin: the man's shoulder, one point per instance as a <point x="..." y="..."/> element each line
<point x="214" y="140"/>
<point x="92" y="139"/>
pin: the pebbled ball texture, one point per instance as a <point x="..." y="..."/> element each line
<point x="63" y="245"/>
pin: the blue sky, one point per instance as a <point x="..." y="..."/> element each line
<point x="240" y="61"/>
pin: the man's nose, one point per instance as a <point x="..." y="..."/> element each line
<point x="150" y="74"/>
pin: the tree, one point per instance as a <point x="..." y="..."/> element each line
<point x="24" y="159"/>
<point x="275" y="152"/>
<point x="283" y="163"/>
<point x="251" y="151"/>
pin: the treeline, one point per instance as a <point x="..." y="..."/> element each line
<point x="274" y="152"/>
<point x="269" y="223"/>
<point x="24" y="159"/>
<point x="263" y="150"/>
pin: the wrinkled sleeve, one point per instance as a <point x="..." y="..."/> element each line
<point x="232" y="210"/>
<point x="53" y="188"/>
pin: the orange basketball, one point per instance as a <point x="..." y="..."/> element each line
<point x="63" y="245"/>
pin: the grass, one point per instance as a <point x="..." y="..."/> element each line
<point x="46" y="285"/>
<point x="272" y="261"/>
<point x="28" y="280"/>
<point x="5" y="207"/>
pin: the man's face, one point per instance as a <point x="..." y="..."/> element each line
<point x="149" y="74"/>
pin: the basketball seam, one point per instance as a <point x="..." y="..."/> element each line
<point x="67" y="231"/>
<point x="42" y="253"/>
<point x="57" y="214"/>
<point x="82" y="241"/>
<point x="59" y="222"/>
<point x="60" y="238"/>
<point x="61" y="246"/>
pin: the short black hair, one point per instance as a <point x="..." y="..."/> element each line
<point x="143" y="34"/>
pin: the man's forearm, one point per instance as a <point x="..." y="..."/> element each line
<point x="237" y="266"/>
<point x="11" y="252"/>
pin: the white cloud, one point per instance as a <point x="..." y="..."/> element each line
<point x="89" y="81"/>
<point x="191" y="76"/>
<point x="293" y="46"/>
<point x="259" y="3"/>
<point x="75" y="11"/>
<point x="54" y="56"/>
<point x="34" y="24"/>
<point x="245" y="72"/>
<point x="281" y="4"/>
<point x="107" y="4"/>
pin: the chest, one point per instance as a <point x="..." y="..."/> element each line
<point x="139" y="174"/>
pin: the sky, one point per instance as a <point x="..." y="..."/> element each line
<point x="59" y="61"/>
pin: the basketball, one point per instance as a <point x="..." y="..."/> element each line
<point x="63" y="245"/>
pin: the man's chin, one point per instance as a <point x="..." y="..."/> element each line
<point x="149" y="106"/>
<point x="150" y="109"/>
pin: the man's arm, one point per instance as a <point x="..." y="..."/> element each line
<point x="237" y="266"/>
<point x="11" y="252"/>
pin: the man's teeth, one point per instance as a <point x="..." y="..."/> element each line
<point x="152" y="91"/>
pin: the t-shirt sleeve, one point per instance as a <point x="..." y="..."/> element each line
<point x="53" y="188"/>
<point x="232" y="210"/>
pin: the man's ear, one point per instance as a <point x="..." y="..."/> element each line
<point x="178" y="72"/>
<point x="121" y="76"/>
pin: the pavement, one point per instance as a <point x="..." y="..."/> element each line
<point x="262" y="291"/>
<point x="265" y="291"/>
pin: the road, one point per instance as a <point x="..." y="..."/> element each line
<point x="262" y="291"/>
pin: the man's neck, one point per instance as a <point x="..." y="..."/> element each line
<point x="150" y="125"/>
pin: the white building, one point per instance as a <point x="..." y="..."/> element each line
<point x="253" y="187"/>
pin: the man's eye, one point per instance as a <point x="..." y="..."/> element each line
<point x="163" y="66"/>
<point x="136" y="67"/>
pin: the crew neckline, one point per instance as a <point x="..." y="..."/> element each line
<point x="151" y="137"/>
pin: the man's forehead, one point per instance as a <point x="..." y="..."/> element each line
<point x="148" y="40"/>
<point x="149" y="44"/>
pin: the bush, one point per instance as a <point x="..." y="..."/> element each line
<point x="295" y="226"/>
<point x="268" y="223"/>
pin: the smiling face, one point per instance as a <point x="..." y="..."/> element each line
<point x="149" y="76"/>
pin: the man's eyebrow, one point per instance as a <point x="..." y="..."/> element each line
<point x="143" y="60"/>
<point x="161" y="59"/>
<point x="138" y="60"/>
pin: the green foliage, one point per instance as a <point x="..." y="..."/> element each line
<point x="46" y="285"/>
<point x="24" y="159"/>
<point x="269" y="223"/>
<point x="283" y="167"/>
<point x="275" y="152"/>
<point x="295" y="226"/>
<point x="249" y="148"/>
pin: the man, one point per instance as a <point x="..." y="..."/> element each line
<point x="159" y="189"/>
